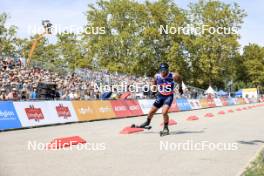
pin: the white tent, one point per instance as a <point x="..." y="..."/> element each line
<point x="183" y="86"/>
<point x="210" y="90"/>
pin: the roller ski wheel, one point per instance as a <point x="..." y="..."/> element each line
<point x="164" y="132"/>
<point x="136" y="126"/>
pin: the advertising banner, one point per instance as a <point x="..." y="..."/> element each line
<point x="8" y="116"/>
<point x="120" y="108"/>
<point x="240" y="101"/>
<point x="224" y="101"/>
<point x="126" y="108"/>
<point x="183" y="104"/>
<point x="250" y="93"/>
<point x="63" y="111"/>
<point x="134" y="107"/>
<point x="194" y="103"/>
<point x="92" y="110"/>
<point x="204" y="103"/>
<point x="35" y="113"/>
<point x="218" y="102"/>
<point x="211" y="103"/>
<point x="146" y="105"/>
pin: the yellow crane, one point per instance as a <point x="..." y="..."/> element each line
<point x="47" y="30"/>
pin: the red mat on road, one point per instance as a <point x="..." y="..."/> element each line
<point x="65" y="142"/>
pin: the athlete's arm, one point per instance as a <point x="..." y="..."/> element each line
<point x="178" y="79"/>
<point x="154" y="84"/>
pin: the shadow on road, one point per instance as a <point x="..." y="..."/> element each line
<point x="178" y="132"/>
<point x="252" y="142"/>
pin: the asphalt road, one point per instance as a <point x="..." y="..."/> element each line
<point x="217" y="146"/>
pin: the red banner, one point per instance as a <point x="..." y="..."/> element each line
<point x="211" y="102"/>
<point x="224" y="101"/>
<point x="126" y="108"/>
<point x="134" y="107"/>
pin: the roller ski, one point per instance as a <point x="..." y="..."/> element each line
<point x="148" y="127"/>
<point x="165" y="132"/>
<point x="145" y="125"/>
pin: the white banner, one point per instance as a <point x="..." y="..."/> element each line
<point x="44" y="112"/>
<point x="64" y="111"/>
<point x="218" y="102"/>
<point x="146" y="105"/>
<point x="195" y="104"/>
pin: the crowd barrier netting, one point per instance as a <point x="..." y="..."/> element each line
<point x="14" y="115"/>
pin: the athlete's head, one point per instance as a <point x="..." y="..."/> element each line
<point x="164" y="69"/>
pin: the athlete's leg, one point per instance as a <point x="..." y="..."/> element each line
<point x="152" y="111"/>
<point x="165" y="111"/>
<point x="156" y="105"/>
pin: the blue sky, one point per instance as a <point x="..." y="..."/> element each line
<point x="26" y="13"/>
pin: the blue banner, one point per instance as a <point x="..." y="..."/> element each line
<point x="183" y="104"/>
<point x="230" y="101"/>
<point x="8" y="116"/>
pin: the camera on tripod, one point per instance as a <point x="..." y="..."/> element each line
<point x="47" y="26"/>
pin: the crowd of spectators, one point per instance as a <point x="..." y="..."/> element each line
<point x="18" y="82"/>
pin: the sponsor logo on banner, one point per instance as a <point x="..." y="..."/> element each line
<point x="224" y="101"/>
<point x="104" y="109"/>
<point x="134" y="107"/>
<point x="195" y="104"/>
<point x="34" y="113"/>
<point x="211" y="103"/>
<point x="218" y="102"/>
<point x="8" y="116"/>
<point x="204" y="103"/>
<point x="183" y="104"/>
<point x="120" y="108"/>
<point x="92" y="110"/>
<point x="63" y="111"/>
<point x="85" y="111"/>
<point x="38" y="113"/>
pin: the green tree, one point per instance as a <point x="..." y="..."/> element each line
<point x="253" y="63"/>
<point x="213" y="54"/>
<point x="7" y="38"/>
<point x="132" y="42"/>
<point x="71" y="51"/>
